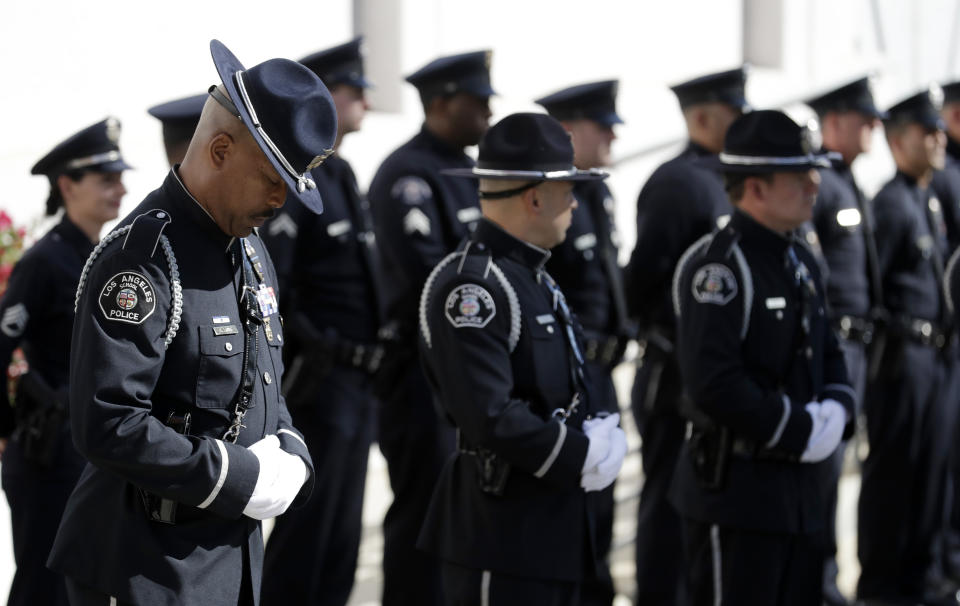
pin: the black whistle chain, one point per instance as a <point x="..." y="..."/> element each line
<point x="252" y="319"/>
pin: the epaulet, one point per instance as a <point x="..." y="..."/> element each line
<point x="717" y="247"/>
<point x="461" y="256"/>
<point x="147" y="230"/>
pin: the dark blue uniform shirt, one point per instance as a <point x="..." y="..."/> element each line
<point x="680" y="202"/>
<point x="327" y="265"/>
<point x="946" y="186"/>
<point x="420" y="216"/>
<point x="909" y="248"/>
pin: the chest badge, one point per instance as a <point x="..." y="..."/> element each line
<point x="469" y="305"/>
<point x="127" y="297"/>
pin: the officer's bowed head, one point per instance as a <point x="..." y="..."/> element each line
<point x="287" y="110"/>
<point x="95" y="150"/>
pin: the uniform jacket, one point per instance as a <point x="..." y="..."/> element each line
<point x="36" y="311"/>
<point x="946" y="186"/>
<point x="840" y="220"/>
<point x="496" y="356"/>
<point x="911" y="241"/>
<point x="585" y="264"/>
<point x="746" y="364"/>
<point x="327" y="264"/>
<point x="124" y="384"/>
<point x="420" y="217"/>
<point x="680" y="202"/>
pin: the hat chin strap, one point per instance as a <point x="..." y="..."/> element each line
<point x="507" y="193"/>
<point x="303" y="181"/>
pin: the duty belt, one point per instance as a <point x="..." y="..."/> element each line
<point x="853" y="328"/>
<point x="924" y="332"/>
<point x="748" y="449"/>
<point x="364" y="356"/>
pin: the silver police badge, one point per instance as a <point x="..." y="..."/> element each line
<point x="469" y="305"/>
<point x="714" y="283"/>
<point x="127" y="297"/>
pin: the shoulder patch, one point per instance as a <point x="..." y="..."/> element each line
<point x="14" y="320"/>
<point x="469" y="305"/>
<point x="714" y="283"/>
<point x="412" y="190"/>
<point x="127" y="297"/>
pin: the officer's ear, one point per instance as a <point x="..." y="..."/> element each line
<point x="219" y="148"/>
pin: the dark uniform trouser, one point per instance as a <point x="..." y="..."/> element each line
<point x="659" y="552"/>
<point x="37" y="497"/>
<point x="855" y="357"/>
<point x="598" y="590"/>
<point x="470" y="587"/>
<point x="752" y="568"/>
<point x="311" y="556"/>
<point x="951" y="545"/>
<point x="903" y="489"/>
<point x="416" y="443"/>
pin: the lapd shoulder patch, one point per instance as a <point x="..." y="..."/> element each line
<point x="714" y="283"/>
<point x="412" y="190"/>
<point x="127" y="297"/>
<point x="469" y="305"/>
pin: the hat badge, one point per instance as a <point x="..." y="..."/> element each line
<point x="811" y="140"/>
<point x="113" y="130"/>
<point x="935" y="95"/>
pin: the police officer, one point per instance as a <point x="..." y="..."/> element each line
<point x="843" y="234"/>
<point x="328" y="270"/>
<point x="420" y="216"/>
<point x="512" y="518"/>
<point x="176" y="359"/>
<point x="585" y="265"/>
<point x="680" y="202"/>
<point x="765" y="377"/>
<point x="179" y="119"/>
<point x="40" y="464"/>
<point x="908" y="406"/>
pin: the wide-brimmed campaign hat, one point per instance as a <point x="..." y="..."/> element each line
<point x="768" y="141"/>
<point x="95" y="148"/>
<point x="526" y="147"/>
<point x="289" y="112"/>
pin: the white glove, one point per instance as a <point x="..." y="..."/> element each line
<point x="829" y="419"/>
<point x="606" y="471"/>
<point x="281" y="476"/>
<point x="597" y="431"/>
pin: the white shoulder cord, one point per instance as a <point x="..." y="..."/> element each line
<point x="176" y="290"/>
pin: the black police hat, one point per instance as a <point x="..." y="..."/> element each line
<point x="526" y="147"/>
<point x="922" y="108"/>
<point x="342" y="64"/>
<point x="722" y="87"/>
<point x="951" y="92"/>
<point x="768" y="141"/>
<point x="855" y="96"/>
<point x="289" y="112"/>
<point x="465" y="73"/>
<point x="94" y="148"/>
<point x="593" y="101"/>
<point x="179" y="117"/>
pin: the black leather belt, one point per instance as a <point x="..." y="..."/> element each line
<point x="924" y="332"/>
<point x="364" y="356"/>
<point x="601" y="349"/>
<point x="854" y="328"/>
<point x="748" y="449"/>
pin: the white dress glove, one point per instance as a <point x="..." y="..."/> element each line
<point x="281" y="476"/>
<point x="829" y="418"/>
<point x="600" y="472"/>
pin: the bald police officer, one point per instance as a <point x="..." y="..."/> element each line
<point x="765" y="377"/>
<point x="680" y="202"/>
<point x="420" y="216"/>
<point x="513" y="515"/>
<point x="328" y="271"/>
<point x="176" y="359"/>
<point x="40" y="464"/>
